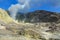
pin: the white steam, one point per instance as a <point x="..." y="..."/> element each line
<point x="22" y="5"/>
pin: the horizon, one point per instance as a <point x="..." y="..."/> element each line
<point x="48" y="5"/>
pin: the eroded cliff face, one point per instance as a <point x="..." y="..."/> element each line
<point x="42" y="30"/>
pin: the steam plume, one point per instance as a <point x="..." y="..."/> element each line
<point x="20" y="6"/>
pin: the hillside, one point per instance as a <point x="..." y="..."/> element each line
<point x="38" y="25"/>
<point x="38" y="16"/>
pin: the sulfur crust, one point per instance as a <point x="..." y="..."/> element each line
<point x="4" y="16"/>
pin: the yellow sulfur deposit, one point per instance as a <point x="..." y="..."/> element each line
<point x="4" y="16"/>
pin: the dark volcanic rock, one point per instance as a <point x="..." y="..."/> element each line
<point x="38" y="16"/>
<point x="42" y="16"/>
<point x="20" y="16"/>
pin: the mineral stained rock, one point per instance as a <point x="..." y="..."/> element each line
<point x="48" y="27"/>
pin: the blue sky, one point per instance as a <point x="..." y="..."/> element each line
<point x="5" y="4"/>
<point x="50" y="5"/>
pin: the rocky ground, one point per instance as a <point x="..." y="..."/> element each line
<point x="26" y="31"/>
